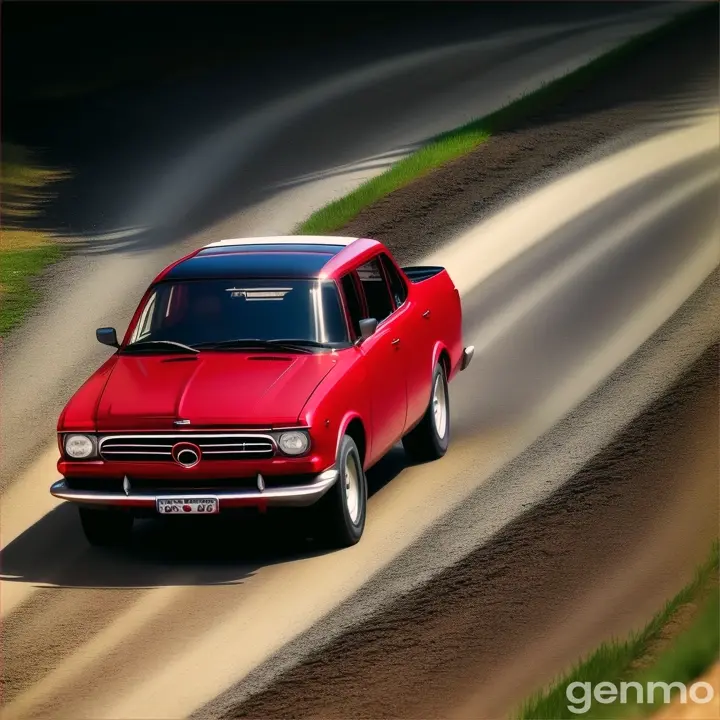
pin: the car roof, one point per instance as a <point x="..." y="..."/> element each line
<point x="276" y="256"/>
<point x="285" y="240"/>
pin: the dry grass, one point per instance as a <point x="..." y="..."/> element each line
<point x="13" y="240"/>
<point x="25" y="187"/>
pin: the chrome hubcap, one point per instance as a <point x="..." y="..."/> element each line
<point x="352" y="488"/>
<point x="439" y="404"/>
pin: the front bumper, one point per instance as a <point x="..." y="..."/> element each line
<point x="285" y="496"/>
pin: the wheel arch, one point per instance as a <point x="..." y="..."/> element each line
<point x="441" y="355"/>
<point x="354" y="426"/>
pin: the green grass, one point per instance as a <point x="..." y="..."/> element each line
<point x="24" y="252"/>
<point x="17" y="291"/>
<point x="457" y="142"/>
<point x="687" y="657"/>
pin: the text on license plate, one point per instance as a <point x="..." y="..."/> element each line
<point x="180" y="506"/>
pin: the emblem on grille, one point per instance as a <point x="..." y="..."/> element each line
<point x="186" y="454"/>
<point x="126" y="485"/>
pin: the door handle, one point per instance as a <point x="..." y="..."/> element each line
<point x="396" y="341"/>
<point x="426" y="314"/>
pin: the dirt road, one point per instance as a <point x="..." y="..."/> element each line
<point x="491" y="629"/>
<point x="561" y="286"/>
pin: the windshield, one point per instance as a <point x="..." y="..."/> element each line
<point x="205" y="312"/>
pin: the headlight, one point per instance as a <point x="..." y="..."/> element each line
<point x="294" y="443"/>
<point x="79" y="447"/>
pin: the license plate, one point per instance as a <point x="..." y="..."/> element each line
<point x="188" y="506"/>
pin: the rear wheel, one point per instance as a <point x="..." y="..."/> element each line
<point x="340" y="513"/>
<point x="106" y="528"/>
<point x="430" y="438"/>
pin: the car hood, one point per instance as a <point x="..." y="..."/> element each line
<point x="208" y="389"/>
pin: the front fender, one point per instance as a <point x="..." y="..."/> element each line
<point x="340" y="399"/>
<point x="345" y="423"/>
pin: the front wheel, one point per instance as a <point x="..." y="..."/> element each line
<point x="340" y="513"/>
<point x="430" y="438"/>
<point x="106" y="528"/>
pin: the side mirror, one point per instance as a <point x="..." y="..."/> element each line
<point x="107" y="336"/>
<point x="367" y="327"/>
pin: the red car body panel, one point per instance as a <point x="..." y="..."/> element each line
<point x="382" y="383"/>
<point x="213" y="389"/>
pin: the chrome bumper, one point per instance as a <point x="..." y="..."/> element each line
<point x="467" y="356"/>
<point x="290" y="496"/>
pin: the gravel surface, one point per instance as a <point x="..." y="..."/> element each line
<point x="434" y="653"/>
<point x="647" y="93"/>
<point x="440" y="651"/>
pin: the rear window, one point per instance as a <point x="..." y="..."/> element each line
<point x="397" y="284"/>
<point x="377" y="295"/>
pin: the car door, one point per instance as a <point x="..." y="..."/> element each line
<point x="385" y="356"/>
<point x="417" y="342"/>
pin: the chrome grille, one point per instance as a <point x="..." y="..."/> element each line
<point x="158" y="448"/>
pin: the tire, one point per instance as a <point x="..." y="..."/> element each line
<point x="430" y="438"/>
<point x="340" y="514"/>
<point x="106" y="528"/>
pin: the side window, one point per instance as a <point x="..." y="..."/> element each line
<point x="352" y="299"/>
<point x="397" y="284"/>
<point x="377" y="295"/>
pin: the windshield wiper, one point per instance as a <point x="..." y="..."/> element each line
<point x="153" y="344"/>
<point x="245" y="343"/>
<point x="301" y="342"/>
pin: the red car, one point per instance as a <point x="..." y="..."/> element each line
<point x="264" y="372"/>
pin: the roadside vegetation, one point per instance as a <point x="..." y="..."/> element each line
<point x="460" y="141"/>
<point x="25" y="185"/>
<point x="678" y="645"/>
